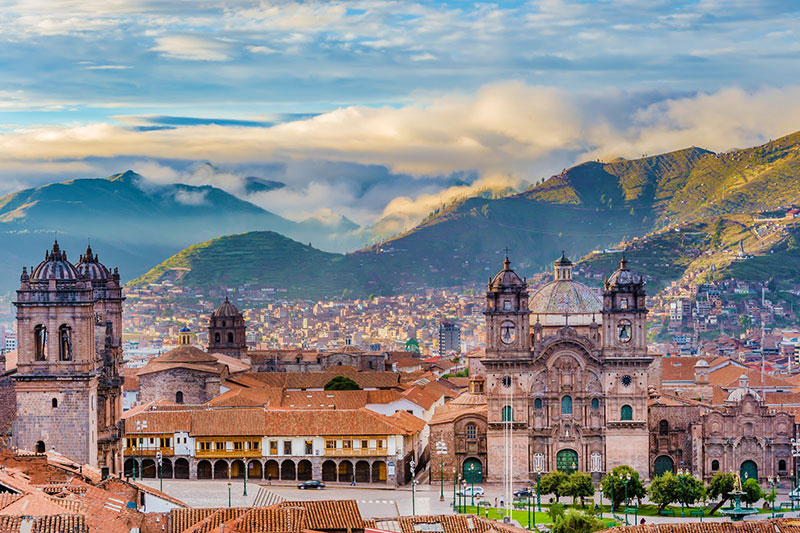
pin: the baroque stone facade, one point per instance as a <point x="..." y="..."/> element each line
<point x="227" y="331"/>
<point x="67" y="383"/>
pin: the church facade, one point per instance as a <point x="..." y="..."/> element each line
<point x="566" y="375"/>
<point x="67" y="383"/>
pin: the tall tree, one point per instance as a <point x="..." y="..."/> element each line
<point x="614" y="485"/>
<point x="554" y="483"/>
<point x="721" y="486"/>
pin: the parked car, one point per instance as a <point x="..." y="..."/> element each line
<point x="472" y="491"/>
<point x="525" y="493"/>
<point x="311" y="484"/>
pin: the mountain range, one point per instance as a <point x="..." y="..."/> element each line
<point x="593" y="205"/>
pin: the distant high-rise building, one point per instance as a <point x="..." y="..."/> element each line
<point x="449" y="338"/>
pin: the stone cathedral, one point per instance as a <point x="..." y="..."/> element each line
<point x="67" y="384"/>
<point x="566" y="375"/>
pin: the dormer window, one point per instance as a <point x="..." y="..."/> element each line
<point x="623" y="303"/>
<point x="507" y="305"/>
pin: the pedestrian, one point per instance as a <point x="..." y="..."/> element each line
<point x="353" y="482"/>
<point x="269" y="479"/>
<point x="502" y="503"/>
<point x="495" y="502"/>
<point x="642" y="521"/>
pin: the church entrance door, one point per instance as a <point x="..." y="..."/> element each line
<point x="473" y="470"/>
<point x="663" y="463"/>
<point x="567" y="461"/>
<point x="748" y="470"/>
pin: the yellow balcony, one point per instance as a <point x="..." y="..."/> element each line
<point x="355" y="452"/>
<point x="148" y="452"/>
<point x="227" y="453"/>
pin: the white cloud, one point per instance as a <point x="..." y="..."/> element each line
<point x="192" y="198"/>
<point x="108" y="67"/>
<point x="193" y="48"/>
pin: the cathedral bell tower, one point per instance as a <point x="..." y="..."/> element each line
<point x="625" y="369"/>
<point x="507" y="316"/>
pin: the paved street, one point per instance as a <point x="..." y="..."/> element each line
<point x="373" y="501"/>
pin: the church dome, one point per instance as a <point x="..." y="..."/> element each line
<point x="506" y="278"/>
<point x="91" y="267"/>
<point x="623" y="276"/>
<point x="55" y="266"/>
<point x="226" y="308"/>
<point x="564" y="295"/>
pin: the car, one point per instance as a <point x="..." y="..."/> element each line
<point x="525" y="493"/>
<point x="311" y="484"/>
<point x="472" y="491"/>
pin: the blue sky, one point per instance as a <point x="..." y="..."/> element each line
<point x="423" y="98"/>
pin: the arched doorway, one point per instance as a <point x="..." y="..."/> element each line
<point x="288" y="470"/>
<point x="379" y="472"/>
<point x="237" y="469"/>
<point x="748" y="470"/>
<point x="254" y="469"/>
<point x="182" y="469"/>
<point x="472" y="470"/>
<point x="149" y="468"/>
<point x="166" y="469"/>
<point x="662" y="464"/>
<point x="203" y="470"/>
<point x="40" y="446"/>
<point x="567" y="461"/>
<point x="304" y="472"/>
<point x="273" y="470"/>
<point x="130" y="468"/>
<point x="328" y="471"/>
<point x="362" y="472"/>
<point x="220" y="470"/>
<point x="345" y="471"/>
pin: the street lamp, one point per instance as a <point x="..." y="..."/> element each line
<point x="626" y="479"/>
<point x="455" y="481"/>
<point x="413" y="489"/>
<point x="463" y="499"/>
<point x="796" y="456"/>
<point x="471" y="469"/>
<point x="538" y="494"/>
<point x="773" y="484"/>
<point x="229" y="494"/>
<point x="141" y="425"/>
<point x="441" y="450"/>
<point x="159" y="461"/>
<point x="245" y="477"/>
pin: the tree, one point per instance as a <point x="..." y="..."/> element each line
<point x="746" y="322"/>
<point x="770" y="497"/>
<point x="341" y="383"/>
<point x="721" y="486"/>
<point x="556" y="512"/>
<point x="752" y="491"/>
<point x="614" y="485"/>
<point x="577" y="522"/>
<point x="690" y="489"/>
<point x="554" y="483"/>
<point x="579" y="485"/>
<point x="663" y="490"/>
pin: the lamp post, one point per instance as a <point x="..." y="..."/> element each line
<point x="229" y="494"/>
<point x="538" y="494"/>
<point x="159" y="461"/>
<point x="471" y="469"/>
<point x="441" y="450"/>
<point x="463" y="498"/>
<point x="626" y="479"/>
<point x="455" y="482"/>
<point x="244" y="493"/>
<point x="796" y="457"/>
<point x="773" y="484"/>
<point x="141" y="425"/>
<point x="413" y="488"/>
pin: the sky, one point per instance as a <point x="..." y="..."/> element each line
<point x="382" y="109"/>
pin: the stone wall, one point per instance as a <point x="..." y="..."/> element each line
<point x="197" y="387"/>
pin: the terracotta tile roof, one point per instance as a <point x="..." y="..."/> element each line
<point x="680" y="368"/>
<point x="349" y="399"/>
<point x="191" y="358"/>
<point x="383" y="396"/>
<point x="35" y="504"/>
<point x="447" y="413"/>
<point x="328" y="514"/>
<point x="781" y="525"/>
<point x="231" y="422"/>
<point x="248" y="397"/>
<point x="448" y="523"/>
<point x="421" y="397"/>
<point x="234" y="364"/>
<point x="754" y="378"/>
<point x="409" y="423"/>
<point x="160" y="421"/>
<point x="330" y="422"/>
<point x="45" y="524"/>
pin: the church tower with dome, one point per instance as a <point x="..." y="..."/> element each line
<point x="573" y="394"/>
<point x="227" y="332"/>
<point x="67" y="384"/>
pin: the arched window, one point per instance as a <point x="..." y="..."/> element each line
<point x="40" y="447"/>
<point x="537" y="403"/>
<point x="663" y="428"/>
<point x="626" y="413"/>
<point x="472" y="431"/>
<point x="566" y="405"/>
<point x="216" y="337"/>
<point x="595" y="403"/>
<point x="64" y="343"/>
<point x="714" y="465"/>
<point x="782" y="465"/>
<point x="40" y="342"/>
<point x="223" y="324"/>
<point x="507" y="414"/>
<point x="55" y="403"/>
<point x="179" y="397"/>
<point x="230" y="337"/>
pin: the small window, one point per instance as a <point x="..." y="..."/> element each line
<point x="273" y="447"/>
<point x="506" y="305"/>
<point x="663" y="428"/>
<point x="595" y="403"/>
<point x="216" y="337"/>
<point x="224" y="324"/>
<point x="238" y="446"/>
<point x="287" y="447"/>
<point x="472" y="431"/>
<point x="309" y="447"/>
<point x="219" y="446"/>
<point x="566" y="405"/>
<point x="381" y="444"/>
<point x="714" y="465"/>
<point x="255" y="445"/>
<point x="179" y="397"/>
<point x="782" y="466"/>
<point x="537" y="403"/>
<point x="230" y="337"/>
<point x="364" y="444"/>
<point x="55" y="403"/>
<point x="626" y="413"/>
<point x="40" y="342"/>
<point x="347" y="444"/>
<point x="330" y="444"/>
<point x="40" y="447"/>
<point x="64" y="343"/>
<point x="508" y="415"/>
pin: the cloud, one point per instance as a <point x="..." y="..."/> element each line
<point x="107" y="67"/>
<point x="401" y="162"/>
<point x="193" y="198"/>
<point x="193" y="48"/>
